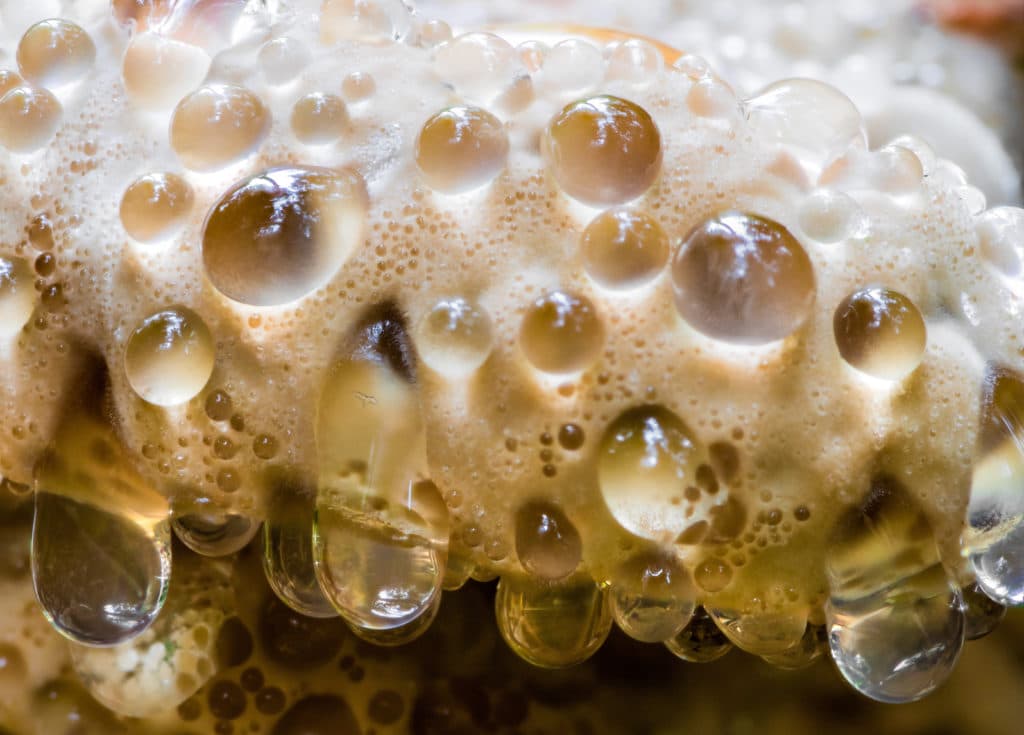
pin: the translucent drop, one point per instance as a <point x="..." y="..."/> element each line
<point x="159" y="71"/>
<point x="880" y="332"/>
<point x="358" y="86"/>
<point x="994" y="538"/>
<point x="552" y="625"/>
<point x="815" y="119"/>
<point x="603" y="150"/>
<point x="218" y="125"/>
<point x="573" y="66"/>
<point x="156" y="206"/>
<point x="214" y="534"/>
<point x="169" y="358"/>
<point x="101" y="538"/>
<point x="652" y="597"/>
<point x="455" y="337"/>
<point x="648" y="458"/>
<point x="813" y="644"/>
<point x="700" y="641"/>
<point x="624" y="249"/>
<point x="283" y="59"/>
<point x="635" y="61"/>
<point x="895" y="617"/>
<point x="763" y="632"/>
<point x="547" y="543"/>
<point x="743" y="279"/>
<point x="434" y="32"/>
<point x="17" y="296"/>
<point x="55" y="52"/>
<point x="461" y="148"/>
<point x="319" y="119"/>
<point x="278" y="236"/>
<point x="478" y="65"/>
<point x="29" y="118"/>
<point x="561" y="333"/>
<point x="712" y="98"/>
<point x="831" y="216"/>
<point x="1001" y="236"/>
<point x="982" y="614"/>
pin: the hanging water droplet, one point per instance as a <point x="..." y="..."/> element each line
<point x="994" y="538"/>
<point x="700" y="641"/>
<point x="214" y="534"/>
<point x="810" y="647"/>
<point x="761" y="631"/>
<point x="652" y="598"/>
<point x="101" y="538"/>
<point x="552" y="625"/>
<point x="547" y="543"/>
<point x="895" y="617"/>
<point x="17" y="296"/>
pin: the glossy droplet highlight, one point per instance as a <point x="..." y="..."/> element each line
<point x="700" y="641"/>
<point x="17" y="296"/>
<point x="29" y="118"/>
<point x="648" y="458"/>
<point x="743" y="279"/>
<point x="275" y="237"/>
<point x="624" y="249"/>
<point x="895" y="618"/>
<point x="547" y="543"/>
<point x="561" y="333"/>
<point x="55" y="52"/>
<point x="603" y="150"/>
<point x="319" y="119"/>
<point x="652" y="597"/>
<point x="552" y="625"/>
<point x="455" y="337"/>
<point x="214" y="534"/>
<point x="880" y="332"/>
<point x="156" y="206"/>
<point x="217" y="125"/>
<point x="170" y="357"/>
<point x="461" y="148"/>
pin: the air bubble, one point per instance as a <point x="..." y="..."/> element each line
<point x="283" y="59"/>
<point x="624" y="249"/>
<point x="159" y="71"/>
<point x="880" y="332"/>
<point x="700" y="641"/>
<point x="561" y="333"/>
<point x="461" y="148"/>
<point x="455" y="337"/>
<point x="743" y="279"/>
<point x="218" y="125"/>
<point x="170" y="357"/>
<point x="17" y="296"/>
<point x="214" y="534"/>
<point x="831" y="216"/>
<point x="358" y="86"/>
<point x="29" y="118"/>
<point x="156" y="206"/>
<point x="319" y="119"/>
<point x="573" y="66"/>
<point x="547" y="543"/>
<point x="275" y="237"/>
<point x="636" y="61"/>
<point x="603" y="150"/>
<point x="1001" y="236"/>
<point x="478" y="65"/>
<point x="652" y="598"/>
<point x="55" y="52"/>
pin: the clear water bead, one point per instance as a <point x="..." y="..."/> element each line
<point x="561" y="333"/>
<point x="455" y="337"/>
<point x="461" y="148"/>
<point x="652" y="597"/>
<point x="880" y="332"/>
<point x="319" y="118"/>
<point x="624" y="249"/>
<point x="744" y="279"/>
<point x="700" y="641"/>
<point x="217" y="125"/>
<point x="29" y="118"/>
<point x="281" y="234"/>
<point x="55" y="52"/>
<point x="479" y="65"/>
<point x="573" y="66"/>
<point x="636" y="61"/>
<point x="762" y="631"/>
<point x="547" y="543"/>
<point x="214" y="534"/>
<point x="156" y="206"/>
<point x="283" y="59"/>
<point x="170" y="357"/>
<point x="17" y="295"/>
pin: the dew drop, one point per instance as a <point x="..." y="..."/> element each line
<point x="214" y="534"/>
<point x="55" y="52"/>
<point x="455" y="337"/>
<point x="159" y="71"/>
<point x="880" y="332"/>
<point x="743" y="279"/>
<point x="895" y="618"/>
<point x="319" y="118"/>
<point x="652" y="598"/>
<point x="547" y="543"/>
<point x="461" y="148"/>
<point x="217" y="125"/>
<point x="700" y="641"/>
<point x="552" y="625"/>
<point x="170" y="357"/>
<point x="17" y="296"/>
<point x="156" y="206"/>
<point x="561" y="333"/>
<point x="603" y="150"/>
<point x="624" y="249"/>
<point x="29" y="118"/>
<point x="278" y="236"/>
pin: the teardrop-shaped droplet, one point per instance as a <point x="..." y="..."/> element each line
<point x="700" y="641"/>
<point x="101" y="538"/>
<point x="552" y="625"/>
<point x="994" y="538"/>
<point x="213" y="533"/>
<point x="895" y="617"/>
<point x="381" y="533"/>
<point x="652" y="597"/>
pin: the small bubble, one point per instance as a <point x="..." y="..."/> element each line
<point x="218" y="405"/>
<point x="55" y="52"/>
<point x="880" y="332"/>
<point x="226" y="700"/>
<point x="17" y="296"/>
<point x="319" y="119"/>
<point x="547" y="542"/>
<point x="217" y="125"/>
<point x="170" y="357"/>
<point x="455" y="337"/>
<point x="561" y="333"/>
<point x="264" y="446"/>
<point x="461" y="148"/>
<point x="29" y="118"/>
<point x="571" y="437"/>
<point x="155" y="206"/>
<point x="282" y="59"/>
<point x="358" y="86"/>
<point x="624" y="249"/>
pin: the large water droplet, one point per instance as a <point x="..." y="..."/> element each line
<point x="700" y="641"/>
<point x="155" y="206"/>
<point x="217" y="125"/>
<point x="461" y="148"/>
<point x="895" y="617"/>
<point x="880" y="332"/>
<point x="101" y="538"/>
<point x="652" y="597"/>
<point x="547" y="543"/>
<point x="17" y="296"/>
<point x="170" y="357"/>
<point x="552" y="625"/>
<point x="275" y="237"/>
<point x="624" y="249"/>
<point x="55" y="52"/>
<point x="743" y="279"/>
<point x="561" y="333"/>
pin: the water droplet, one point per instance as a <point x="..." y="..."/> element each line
<point x="29" y="118"/>
<point x="713" y="575"/>
<point x="9" y="80"/>
<point x="55" y="52"/>
<point x="648" y="458"/>
<point x="218" y="405"/>
<point x="478" y="65"/>
<point x="895" y="617"/>
<point x="603" y="150"/>
<point x="1001" y="236"/>
<point x="813" y="644"/>
<point x="358" y="86"/>
<point x="170" y="357"/>
<point x="217" y="125"/>
<point x="831" y="216"/>
<point x="319" y="119"/>
<point x="743" y="279"/>
<point x="552" y="625"/>
<point x="156" y="206"/>
<point x="652" y="598"/>
<point x="994" y="537"/>
<point x="982" y="614"/>
<point x="283" y="59"/>
<point x="455" y="337"/>
<point x="461" y="148"/>
<point x="573" y="66"/>
<point x="364" y="20"/>
<point x="101" y="538"/>
<point x="17" y="296"/>
<point x="275" y="237"/>
<point x="880" y="332"/>
<point x="571" y="437"/>
<point x="700" y="641"/>
<point x="636" y="61"/>
<point x="624" y="249"/>
<point x="763" y="632"/>
<point x="159" y="71"/>
<point x="561" y="333"/>
<point x="547" y="543"/>
<point x="214" y="534"/>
